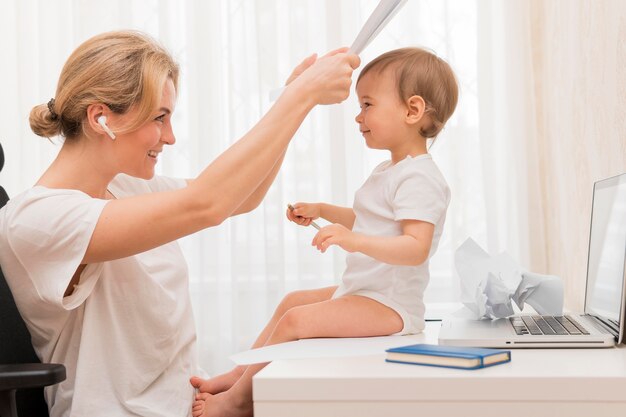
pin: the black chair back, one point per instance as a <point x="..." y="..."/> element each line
<point x="4" y="197"/>
<point x="15" y="342"/>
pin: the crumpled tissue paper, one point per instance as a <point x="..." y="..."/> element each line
<point x="489" y="284"/>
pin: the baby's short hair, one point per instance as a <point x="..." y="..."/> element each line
<point x="422" y="73"/>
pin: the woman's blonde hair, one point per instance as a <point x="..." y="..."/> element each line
<point x="421" y="73"/>
<point x="121" y="69"/>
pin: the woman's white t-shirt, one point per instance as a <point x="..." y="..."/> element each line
<point x="126" y="334"/>
<point x="412" y="189"/>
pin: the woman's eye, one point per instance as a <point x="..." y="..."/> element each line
<point x="160" y="118"/>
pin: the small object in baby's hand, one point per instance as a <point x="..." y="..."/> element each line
<point x="291" y="208"/>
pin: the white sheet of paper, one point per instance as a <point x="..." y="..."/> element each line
<point x="324" y="348"/>
<point x="379" y="18"/>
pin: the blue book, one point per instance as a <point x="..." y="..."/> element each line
<point x="448" y="356"/>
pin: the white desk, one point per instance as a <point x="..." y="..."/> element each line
<point x="537" y="382"/>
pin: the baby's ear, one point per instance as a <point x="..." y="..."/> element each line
<point x="416" y="107"/>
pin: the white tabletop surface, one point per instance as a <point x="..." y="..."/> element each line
<point x="578" y="381"/>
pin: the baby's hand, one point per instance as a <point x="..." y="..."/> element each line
<point x="336" y="234"/>
<point x="303" y="213"/>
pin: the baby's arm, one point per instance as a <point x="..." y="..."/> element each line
<point x="305" y="213"/>
<point x="337" y="214"/>
<point x="410" y="248"/>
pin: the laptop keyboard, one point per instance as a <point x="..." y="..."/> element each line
<point x="547" y="325"/>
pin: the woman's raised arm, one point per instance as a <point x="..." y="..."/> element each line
<point x="132" y="225"/>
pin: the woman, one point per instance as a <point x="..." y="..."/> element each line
<point x="90" y="251"/>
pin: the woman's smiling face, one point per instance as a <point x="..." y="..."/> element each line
<point x="138" y="150"/>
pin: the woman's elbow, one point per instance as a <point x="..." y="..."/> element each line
<point x="208" y="212"/>
<point x="246" y="207"/>
<point x="218" y="213"/>
<point x="214" y="220"/>
<point x="251" y="205"/>
<point x="211" y="216"/>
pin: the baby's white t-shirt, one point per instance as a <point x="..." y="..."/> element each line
<point x="126" y="334"/>
<point x="412" y="189"/>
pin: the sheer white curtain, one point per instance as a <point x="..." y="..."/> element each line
<point x="508" y="132"/>
<point x="232" y="53"/>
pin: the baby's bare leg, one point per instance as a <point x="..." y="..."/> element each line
<point x="291" y="300"/>
<point x="226" y="380"/>
<point x="349" y="316"/>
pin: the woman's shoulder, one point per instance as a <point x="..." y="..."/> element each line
<point x="41" y="208"/>
<point x="34" y="196"/>
<point x="40" y="219"/>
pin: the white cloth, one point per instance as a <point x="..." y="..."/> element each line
<point x="414" y="189"/>
<point x="126" y="334"/>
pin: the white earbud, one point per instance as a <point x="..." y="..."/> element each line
<point x="102" y="121"/>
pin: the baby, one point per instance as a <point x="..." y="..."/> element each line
<point x="406" y="96"/>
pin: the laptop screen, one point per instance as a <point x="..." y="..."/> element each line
<point x="607" y="250"/>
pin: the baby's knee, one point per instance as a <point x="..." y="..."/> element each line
<point x="290" y="324"/>
<point x="290" y="300"/>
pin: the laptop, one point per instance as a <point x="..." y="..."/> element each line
<point x="601" y="324"/>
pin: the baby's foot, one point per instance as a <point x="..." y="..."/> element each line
<point x="218" y="383"/>
<point x="220" y="405"/>
<point x="197" y="408"/>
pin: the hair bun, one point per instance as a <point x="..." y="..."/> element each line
<point x="43" y="122"/>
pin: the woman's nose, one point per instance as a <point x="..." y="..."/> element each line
<point x="168" y="136"/>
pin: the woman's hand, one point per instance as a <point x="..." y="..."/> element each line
<point x="304" y="213"/>
<point x="336" y="234"/>
<point x="327" y="79"/>
<point x="306" y="63"/>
